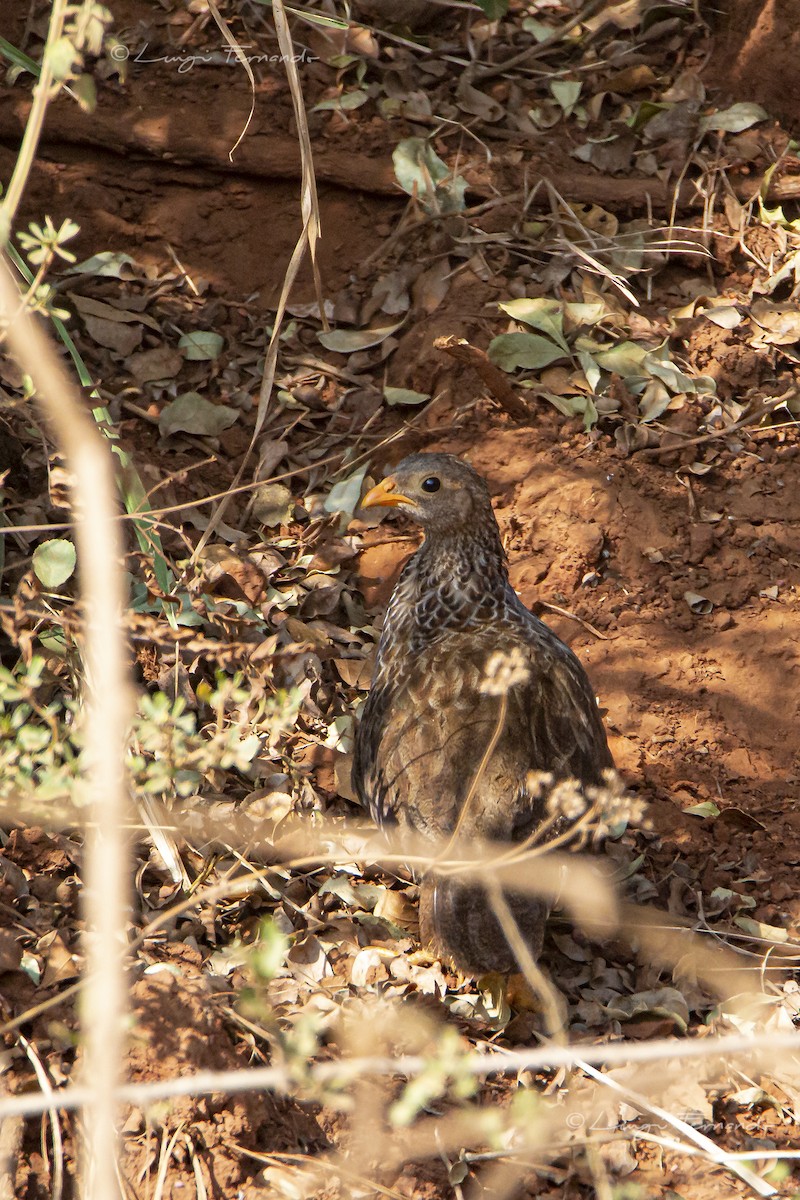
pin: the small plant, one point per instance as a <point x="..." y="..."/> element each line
<point x="170" y="750"/>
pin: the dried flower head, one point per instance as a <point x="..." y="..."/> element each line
<point x="567" y="800"/>
<point x="504" y="670"/>
<point x="614" y="804"/>
<point x="538" y="784"/>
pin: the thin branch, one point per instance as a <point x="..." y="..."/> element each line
<point x="478" y="1064"/>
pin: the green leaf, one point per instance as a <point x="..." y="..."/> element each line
<point x="111" y="263"/>
<point x="707" y="809"/>
<point x="346" y="341"/>
<point x="269" y="952"/>
<point x="345" y="495"/>
<point x="669" y="374"/>
<point x="18" y="58"/>
<point x="404" y="396"/>
<point x="539" y="30"/>
<point x="54" y="562"/>
<point x="734" y="119"/>
<point x="540" y="313"/>
<point x="493" y="9"/>
<point x="569" y="406"/>
<point x="566" y="93"/>
<point x="61" y="58"/>
<point x="192" y="413"/>
<point x="590" y="369"/>
<point x="85" y="92"/>
<point x="201" y="345"/>
<point x="527" y="350"/>
<point x="343" y="103"/>
<point x="625" y="359"/>
<point x="421" y="173"/>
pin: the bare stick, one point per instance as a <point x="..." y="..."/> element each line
<point x="107" y="704"/>
<point x="496" y="382"/>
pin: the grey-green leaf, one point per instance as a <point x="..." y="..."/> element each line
<point x="345" y="495"/>
<point x="540" y="313"/>
<point x="54" y="561"/>
<point x="421" y="173"/>
<point x="404" y="396"/>
<point x="201" y="345"/>
<point x="348" y="100"/>
<point x="527" y="350"/>
<point x="347" y="341"/>
<point x="734" y="119"/>
<point x="192" y="413"/>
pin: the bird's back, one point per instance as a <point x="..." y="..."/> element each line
<point x="426" y="729"/>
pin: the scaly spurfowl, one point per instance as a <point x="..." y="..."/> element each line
<point x="432" y="711"/>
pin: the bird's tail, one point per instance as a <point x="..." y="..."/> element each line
<point x="458" y="922"/>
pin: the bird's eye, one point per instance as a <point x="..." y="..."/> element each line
<point x="431" y="484"/>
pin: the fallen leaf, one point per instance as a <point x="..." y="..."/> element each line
<point x="660" y="1002"/>
<point x="431" y="286"/>
<point x="473" y="101"/>
<point x="346" y="341"/>
<point x="726" y="316"/>
<point x="201" y="345"/>
<point x="734" y="119"/>
<point x="272" y="504"/>
<point x="759" y="929"/>
<point x="707" y="809"/>
<point x="162" y="362"/>
<point x="192" y="413"/>
<point x="88" y="306"/>
<point x="700" y="605"/>
<point x="345" y="495"/>
<point x="529" y="351"/>
<point x="404" y="396"/>
<point x="540" y="313"/>
<point x="54" y="561"/>
<point x="109" y="263"/>
<point x="113" y="335"/>
<point x="421" y="173"/>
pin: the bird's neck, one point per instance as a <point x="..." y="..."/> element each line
<point x="455" y="581"/>
<point x="450" y="560"/>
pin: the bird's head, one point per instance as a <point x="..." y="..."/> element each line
<point x="439" y="491"/>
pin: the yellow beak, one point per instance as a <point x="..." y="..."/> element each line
<point x="385" y="495"/>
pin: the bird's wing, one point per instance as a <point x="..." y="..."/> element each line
<point x="423" y="742"/>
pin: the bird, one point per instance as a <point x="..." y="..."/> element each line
<point x="440" y="749"/>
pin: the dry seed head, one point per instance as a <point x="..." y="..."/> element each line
<point x="615" y="804"/>
<point x="505" y="669"/>
<point x="567" y="800"/>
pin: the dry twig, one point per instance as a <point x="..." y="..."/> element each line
<point x="496" y="382"/>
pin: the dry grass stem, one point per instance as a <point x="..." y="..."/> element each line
<point x="759" y="1051"/>
<point x="309" y="236"/>
<point x="646" y="1107"/>
<point x="534" y="975"/>
<point x="33" y="126"/>
<point x="107" y="708"/>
